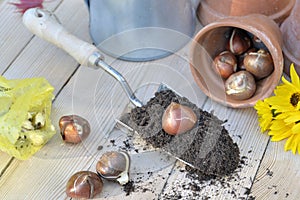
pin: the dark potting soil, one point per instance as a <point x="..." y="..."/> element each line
<point x="207" y="146"/>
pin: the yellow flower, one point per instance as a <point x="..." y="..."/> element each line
<point x="280" y="114"/>
<point x="293" y="144"/>
<point x="287" y="95"/>
<point x="265" y="115"/>
<point x="279" y="130"/>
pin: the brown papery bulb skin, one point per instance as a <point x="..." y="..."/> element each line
<point x="111" y="164"/>
<point x="241" y="57"/>
<point x="114" y="165"/>
<point x="178" y="119"/>
<point x="240" y="85"/>
<point x="239" y="42"/>
<point x="259" y="63"/>
<point x="225" y="64"/>
<point x="74" y="128"/>
<point x="84" y="184"/>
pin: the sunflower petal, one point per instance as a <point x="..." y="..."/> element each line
<point x="293" y="118"/>
<point x="297" y="142"/>
<point x="294" y="76"/>
<point x="282" y="136"/>
<point x="277" y="125"/>
<point x="294" y="147"/>
<point x="296" y="129"/>
<point x="278" y="132"/>
<point x="288" y="144"/>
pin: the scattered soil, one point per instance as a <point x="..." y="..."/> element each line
<point x="196" y="185"/>
<point x="128" y="187"/>
<point x="208" y="146"/>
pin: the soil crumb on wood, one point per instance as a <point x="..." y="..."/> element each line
<point x="207" y="146"/>
<point x="128" y="187"/>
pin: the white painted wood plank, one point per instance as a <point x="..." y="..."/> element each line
<point x="278" y="176"/>
<point x="243" y="128"/>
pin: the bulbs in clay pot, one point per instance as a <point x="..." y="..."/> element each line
<point x="84" y="184"/>
<point x="114" y="165"/>
<point x="259" y="63"/>
<point x="74" y="128"/>
<point x="225" y="64"/>
<point x="240" y="85"/>
<point x="178" y="119"/>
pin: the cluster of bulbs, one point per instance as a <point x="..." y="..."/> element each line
<point x="242" y="64"/>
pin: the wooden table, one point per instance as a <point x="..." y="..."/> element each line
<point x="267" y="171"/>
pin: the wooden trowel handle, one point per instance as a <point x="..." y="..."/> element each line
<point x="43" y="24"/>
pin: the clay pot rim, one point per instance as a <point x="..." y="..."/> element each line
<point x="230" y="22"/>
<point x="278" y="17"/>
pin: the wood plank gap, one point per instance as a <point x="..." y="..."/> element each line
<point x="67" y="81"/>
<point x="6" y="167"/>
<point x="261" y="160"/>
<point x="17" y="55"/>
<point x="56" y="7"/>
<point x="166" y="182"/>
<point x="204" y="103"/>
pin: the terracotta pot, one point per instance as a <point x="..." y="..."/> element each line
<point x="212" y="10"/>
<point x="290" y="29"/>
<point x="211" y="40"/>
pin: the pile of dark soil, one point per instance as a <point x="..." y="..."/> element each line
<point x="207" y="146"/>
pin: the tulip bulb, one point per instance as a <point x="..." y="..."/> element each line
<point x="259" y="63"/>
<point x="84" y="184"/>
<point x="239" y="42"/>
<point x="225" y="64"/>
<point x="74" y="128"/>
<point x="178" y="119"/>
<point x="114" y="165"/>
<point x="240" y="85"/>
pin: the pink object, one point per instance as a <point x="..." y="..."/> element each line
<point x="26" y="4"/>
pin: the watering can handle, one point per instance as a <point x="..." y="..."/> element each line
<point x="43" y="24"/>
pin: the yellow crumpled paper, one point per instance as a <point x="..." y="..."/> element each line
<point x="25" y="108"/>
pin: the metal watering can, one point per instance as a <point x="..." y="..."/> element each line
<point x="141" y="30"/>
